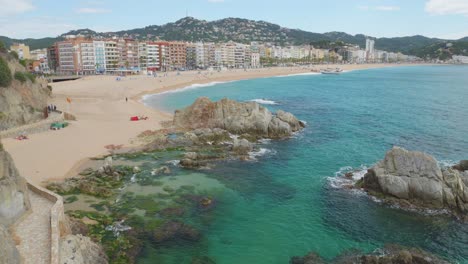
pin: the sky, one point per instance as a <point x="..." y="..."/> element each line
<point x="446" y="19"/>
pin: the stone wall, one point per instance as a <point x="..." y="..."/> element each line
<point x="58" y="223"/>
<point x="41" y="126"/>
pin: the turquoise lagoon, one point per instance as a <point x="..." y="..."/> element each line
<point x="284" y="204"/>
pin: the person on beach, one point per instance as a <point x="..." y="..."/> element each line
<point x="126" y="99"/>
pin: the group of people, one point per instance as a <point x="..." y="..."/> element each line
<point x="51" y="108"/>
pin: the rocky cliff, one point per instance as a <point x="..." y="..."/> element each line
<point x="22" y="101"/>
<point x="14" y="199"/>
<point x="8" y="252"/>
<point x="14" y="202"/>
<point x="237" y="118"/>
<point x="78" y="249"/>
<point x="417" y="178"/>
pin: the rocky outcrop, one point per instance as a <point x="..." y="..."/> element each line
<point x="22" y="103"/>
<point x="8" y="252"/>
<point x="77" y="249"/>
<point x="416" y="177"/>
<point x="390" y="254"/>
<point x="14" y="199"/>
<point x="237" y="118"/>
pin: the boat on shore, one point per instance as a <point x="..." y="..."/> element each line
<point x="331" y="71"/>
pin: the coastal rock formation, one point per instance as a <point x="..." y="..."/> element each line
<point x="390" y="254"/>
<point x="237" y="118"/>
<point x="416" y="177"/>
<point x="8" y="252"/>
<point x="21" y="102"/>
<point x="14" y="199"/>
<point x="77" y="249"/>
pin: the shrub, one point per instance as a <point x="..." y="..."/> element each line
<point x="5" y="73"/>
<point x="30" y="76"/>
<point x="24" y="76"/>
<point x="2" y="47"/>
<point x="20" y="76"/>
<point x="23" y="62"/>
<point x="14" y="54"/>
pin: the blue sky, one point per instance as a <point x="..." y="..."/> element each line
<point x="379" y="18"/>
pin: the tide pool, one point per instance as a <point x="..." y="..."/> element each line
<point x="283" y="205"/>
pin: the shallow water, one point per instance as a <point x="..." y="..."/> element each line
<point x="283" y="204"/>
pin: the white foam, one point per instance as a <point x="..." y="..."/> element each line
<point x="261" y="152"/>
<point x="447" y="163"/>
<point x="264" y="101"/>
<point x="173" y="162"/>
<point x="265" y="141"/>
<point x="298" y="74"/>
<point x="190" y="87"/>
<point x="340" y="181"/>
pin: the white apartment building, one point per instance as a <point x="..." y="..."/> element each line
<point x="112" y="55"/>
<point x="255" y="60"/>
<point x="66" y="58"/>
<point x="460" y="59"/>
<point x="152" y="60"/>
<point x="88" y="61"/>
<point x="370" y="49"/>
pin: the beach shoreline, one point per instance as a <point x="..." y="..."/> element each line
<point x="103" y="116"/>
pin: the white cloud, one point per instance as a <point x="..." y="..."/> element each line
<point x="12" y="7"/>
<point x="447" y="7"/>
<point x="387" y="8"/>
<point x="36" y="27"/>
<point x="379" y="8"/>
<point x="90" y="10"/>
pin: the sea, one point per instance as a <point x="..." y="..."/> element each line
<point x="290" y="198"/>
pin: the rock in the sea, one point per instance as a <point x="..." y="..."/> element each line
<point x="242" y="146"/>
<point x="311" y="258"/>
<point x="462" y="166"/>
<point x="416" y="177"/>
<point x="14" y="198"/>
<point x="390" y="254"/>
<point x="161" y="170"/>
<point x="202" y="260"/>
<point x="236" y="117"/>
<point x="77" y="249"/>
<point x="175" y="230"/>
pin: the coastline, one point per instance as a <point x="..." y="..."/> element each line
<point x="103" y="115"/>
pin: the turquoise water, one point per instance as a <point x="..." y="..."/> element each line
<point x="283" y="205"/>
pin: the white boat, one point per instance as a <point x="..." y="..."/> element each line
<point x="331" y="71"/>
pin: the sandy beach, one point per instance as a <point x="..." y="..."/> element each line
<point x="102" y="113"/>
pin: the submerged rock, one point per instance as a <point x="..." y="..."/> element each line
<point x="202" y="260"/>
<point x="236" y="117"/>
<point x="175" y="230"/>
<point x="390" y="254"/>
<point x="162" y="170"/>
<point x="416" y="177"/>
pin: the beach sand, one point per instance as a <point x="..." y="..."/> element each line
<point x="102" y="113"/>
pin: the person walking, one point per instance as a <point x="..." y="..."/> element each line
<point x="126" y="99"/>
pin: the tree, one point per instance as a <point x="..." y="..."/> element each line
<point x="5" y="73"/>
<point x="2" y="47"/>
